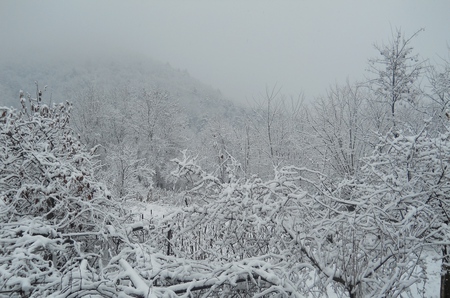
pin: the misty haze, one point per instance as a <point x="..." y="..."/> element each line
<point x="224" y="149"/>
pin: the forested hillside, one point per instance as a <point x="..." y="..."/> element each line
<point x="343" y="195"/>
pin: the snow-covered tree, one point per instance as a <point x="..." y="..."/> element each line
<point x="341" y="130"/>
<point x="410" y="175"/>
<point x="138" y="130"/>
<point x="397" y="72"/>
<point x="275" y="124"/>
<point x="439" y="93"/>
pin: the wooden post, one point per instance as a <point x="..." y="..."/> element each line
<point x="169" y="237"/>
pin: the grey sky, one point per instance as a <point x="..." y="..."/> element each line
<point x="236" y="46"/>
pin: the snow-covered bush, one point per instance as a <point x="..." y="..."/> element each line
<point x="347" y="236"/>
<point x="53" y="212"/>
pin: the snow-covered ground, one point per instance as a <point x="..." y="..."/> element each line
<point x="148" y="211"/>
<point x="432" y="285"/>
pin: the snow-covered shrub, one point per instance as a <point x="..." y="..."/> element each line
<point x="344" y="236"/>
<point x="52" y="210"/>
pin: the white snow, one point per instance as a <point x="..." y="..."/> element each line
<point x="148" y="211"/>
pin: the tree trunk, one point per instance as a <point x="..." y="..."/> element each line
<point x="445" y="277"/>
<point x="351" y="293"/>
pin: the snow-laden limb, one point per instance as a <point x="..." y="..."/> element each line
<point x="142" y="271"/>
<point x="152" y="274"/>
<point x="27" y="257"/>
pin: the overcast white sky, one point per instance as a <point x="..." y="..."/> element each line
<point x="238" y="47"/>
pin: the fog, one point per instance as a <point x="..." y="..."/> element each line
<point x="238" y="47"/>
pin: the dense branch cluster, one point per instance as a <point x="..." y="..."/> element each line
<point x="362" y="238"/>
<point x="53" y="211"/>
